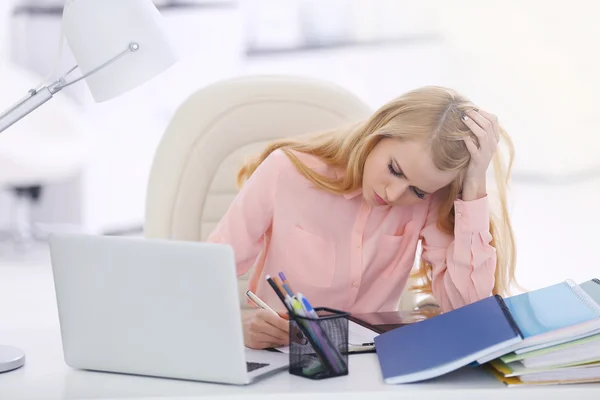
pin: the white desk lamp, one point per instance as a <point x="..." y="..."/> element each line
<point x="118" y="45"/>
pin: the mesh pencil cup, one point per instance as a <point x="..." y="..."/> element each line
<point x="324" y="352"/>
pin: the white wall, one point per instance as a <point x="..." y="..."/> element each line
<point x="556" y="229"/>
<point x="536" y="62"/>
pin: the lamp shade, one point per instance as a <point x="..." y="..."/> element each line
<point x="99" y="30"/>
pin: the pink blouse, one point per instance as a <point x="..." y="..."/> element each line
<point x="340" y="252"/>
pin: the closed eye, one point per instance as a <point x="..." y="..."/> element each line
<point x="416" y="191"/>
<point x="394" y="172"/>
<point x="399" y="174"/>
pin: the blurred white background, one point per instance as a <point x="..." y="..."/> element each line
<point x="531" y="62"/>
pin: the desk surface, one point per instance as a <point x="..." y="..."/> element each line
<point x="28" y="320"/>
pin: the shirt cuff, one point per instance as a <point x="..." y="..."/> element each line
<point x="472" y="216"/>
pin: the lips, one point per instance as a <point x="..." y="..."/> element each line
<point x="379" y="200"/>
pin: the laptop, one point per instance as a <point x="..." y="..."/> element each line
<point x="153" y="307"/>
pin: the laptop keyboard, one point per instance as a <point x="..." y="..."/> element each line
<point x="253" y="366"/>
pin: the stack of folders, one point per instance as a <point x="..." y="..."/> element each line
<point x="547" y="336"/>
<point x="570" y="354"/>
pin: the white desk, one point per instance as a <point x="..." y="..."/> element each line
<point x="28" y="320"/>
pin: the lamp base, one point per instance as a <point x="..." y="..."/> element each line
<point x="11" y="358"/>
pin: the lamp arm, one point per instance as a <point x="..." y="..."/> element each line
<point x="131" y="48"/>
<point x="37" y="97"/>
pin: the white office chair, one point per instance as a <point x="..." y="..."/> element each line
<point x="192" y="180"/>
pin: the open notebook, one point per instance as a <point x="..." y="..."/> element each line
<point x="444" y="343"/>
<point x="360" y="339"/>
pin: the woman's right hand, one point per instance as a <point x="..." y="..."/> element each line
<point x="263" y="329"/>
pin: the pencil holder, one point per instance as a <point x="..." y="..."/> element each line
<point x="323" y="352"/>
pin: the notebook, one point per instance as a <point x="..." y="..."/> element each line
<point x="544" y="311"/>
<point x="551" y="315"/>
<point x="574" y="352"/>
<point x="567" y="371"/>
<point x="514" y="381"/>
<point x="564" y="373"/>
<point x="444" y="343"/>
<point x="360" y="338"/>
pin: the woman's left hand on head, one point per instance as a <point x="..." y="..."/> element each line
<point x="487" y="130"/>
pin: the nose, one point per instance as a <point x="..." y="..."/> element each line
<point x="394" y="191"/>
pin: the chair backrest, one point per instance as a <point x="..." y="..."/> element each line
<point x="193" y="176"/>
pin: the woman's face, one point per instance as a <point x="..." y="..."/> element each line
<point x="402" y="173"/>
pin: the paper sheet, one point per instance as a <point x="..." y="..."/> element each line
<point x="357" y="334"/>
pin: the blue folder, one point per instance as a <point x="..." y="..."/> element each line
<point x="550" y="316"/>
<point x="548" y="309"/>
<point x="444" y="343"/>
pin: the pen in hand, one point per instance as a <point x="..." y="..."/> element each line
<point x="256" y="300"/>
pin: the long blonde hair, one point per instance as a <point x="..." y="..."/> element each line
<point x="432" y="113"/>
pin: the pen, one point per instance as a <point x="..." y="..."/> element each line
<point x="279" y="294"/>
<point x="309" y="310"/>
<point x="290" y="302"/>
<point x="286" y="285"/>
<point x="288" y="305"/>
<point x="256" y="300"/>
<point x="298" y="308"/>
<point x="289" y="299"/>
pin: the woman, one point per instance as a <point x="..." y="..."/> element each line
<point x="341" y="212"/>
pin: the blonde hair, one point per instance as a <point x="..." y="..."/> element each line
<point x="432" y="113"/>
